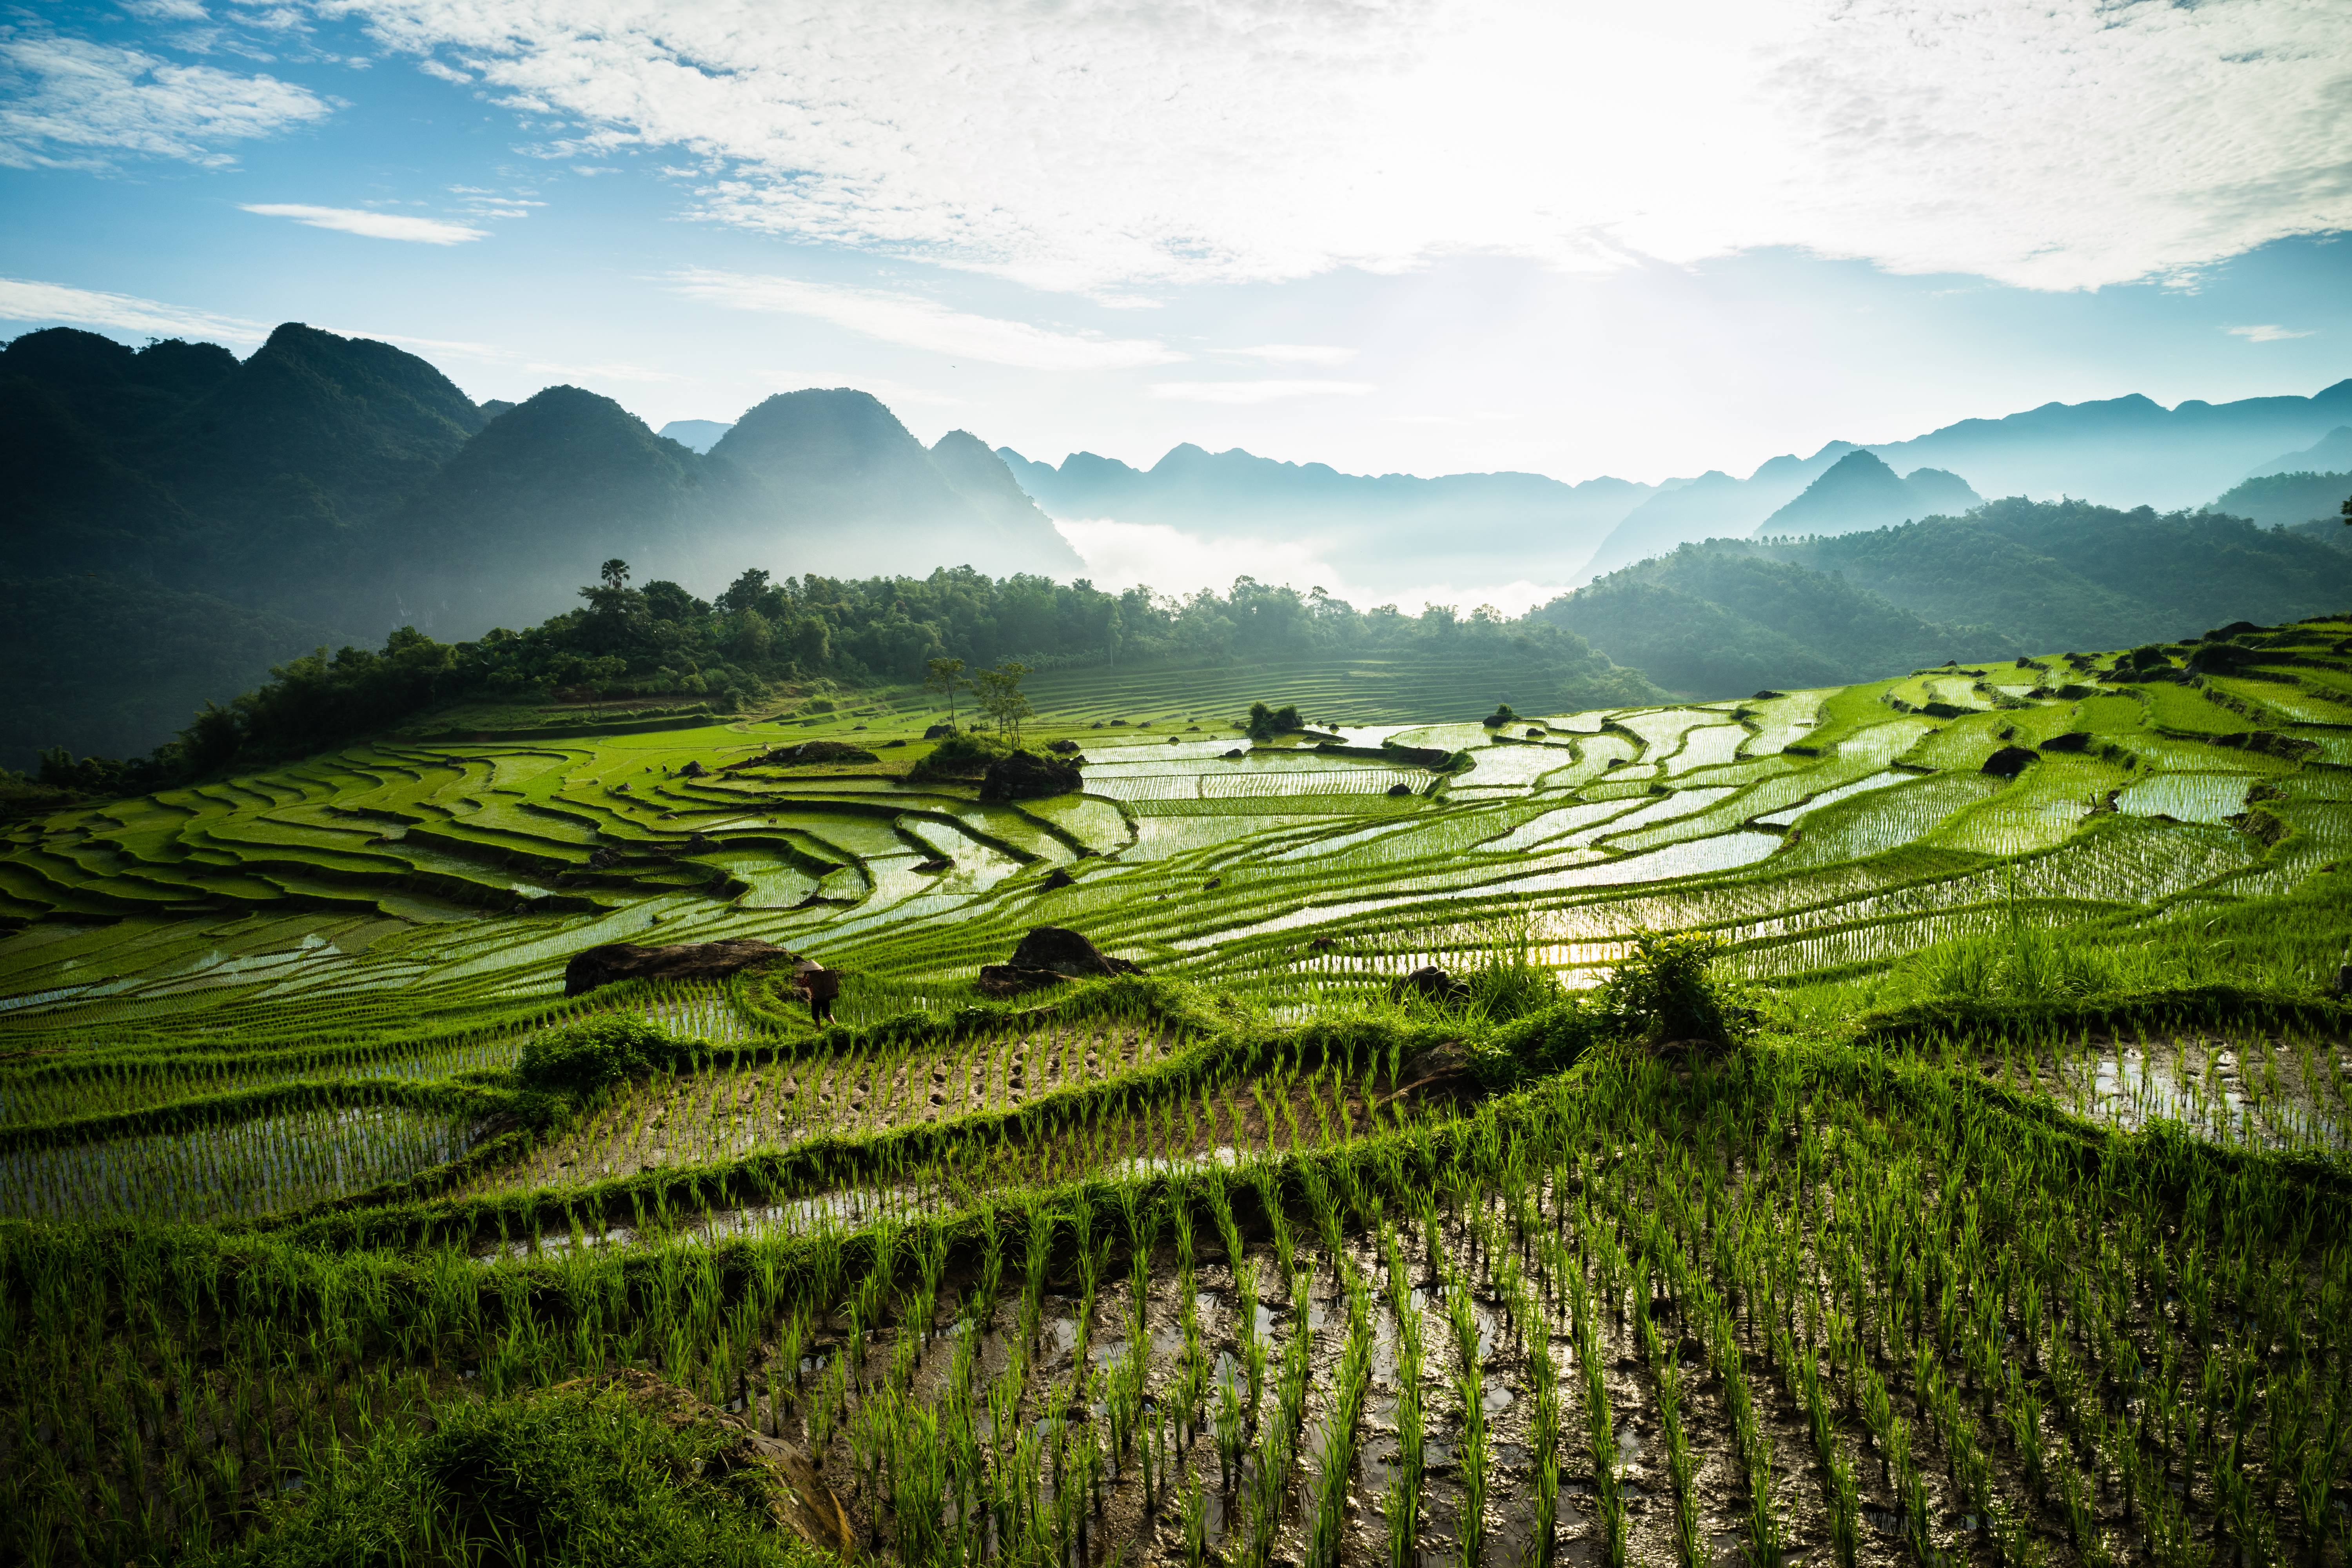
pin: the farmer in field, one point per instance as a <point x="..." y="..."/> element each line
<point x="820" y="986"/>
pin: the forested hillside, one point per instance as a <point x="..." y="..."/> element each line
<point x="179" y="520"/>
<point x="2013" y="576"/>
<point x="660" y="643"/>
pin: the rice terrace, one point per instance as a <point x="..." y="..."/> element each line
<point x="1901" y="1122"/>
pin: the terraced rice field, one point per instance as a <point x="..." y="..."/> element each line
<point x="1231" y="1259"/>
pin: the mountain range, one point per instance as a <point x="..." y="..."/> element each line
<point x="178" y="519"/>
<point x="1395" y="531"/>
<point x="1387" y="533"/>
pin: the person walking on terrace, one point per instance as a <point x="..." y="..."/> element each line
<point x="820" y="986"/>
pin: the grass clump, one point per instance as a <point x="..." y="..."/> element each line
<point x="962" y="755"/>
<point x="575" y="1475"/>
<point x="582" y="1058"/>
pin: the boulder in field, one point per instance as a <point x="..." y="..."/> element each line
<point x="1057" y="877"/>
<point x="2008" y="763"/>
<point x="1399" y="790"/>
<point x="1047" y="957"/>
<point x="1429" y="983"/>
<point x="2071" y="741"/>
<point x="617" y="960"/>
<point x="939" y="731"/>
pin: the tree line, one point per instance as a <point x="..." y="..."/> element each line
<point x="659" y="640"/>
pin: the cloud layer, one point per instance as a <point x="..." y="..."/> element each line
<point x="372" y="225"/>
<point x="70" y="104"/>
<point x="912" y="320"/>
<point x="1105" y="144"/>
<point x="24" y="299"/>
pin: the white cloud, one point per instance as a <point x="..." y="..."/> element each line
<point x="893" y="392"/>
<point x="372" y="225"/>
<point x="22" y="299"/>
<point x="2265" y="334"/>
<point x="914" y="321"/>
<point x="446" y="73"/>
<point x="167" y="10"/>
<point x="1295" y="354"/>
<point x="1095" y="147"/>
<point x="1256" y="391"/>
<point x="69" y="103"/>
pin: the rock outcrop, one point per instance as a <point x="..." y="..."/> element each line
<point x="2008" y="763"/>
<point x="1047" y="957"/>
<point x="618" y="961"/>
<point x="1429" y="983"/>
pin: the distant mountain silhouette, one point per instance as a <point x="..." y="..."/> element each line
<point x="1861" y="491"/>
<point x="2332" y="453"/>
<point x="1387" y="533"/>
<point x="508" y="530"/>
<point x="696" y="435"/>
<point x="856" y="490"/>
<point x="1714" y="505"/>
<point x="2125" y="451"/>
<point x="330" y="488"/>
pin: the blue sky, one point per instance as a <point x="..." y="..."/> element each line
<point x="1427" y="237"/>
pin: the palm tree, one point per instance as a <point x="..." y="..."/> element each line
<point x="616" y="572"/>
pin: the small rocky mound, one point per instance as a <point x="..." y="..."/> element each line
<point x="1047" y="957"/>
<point x="618" y="961"/>
<point x="2008" y="763"/>
<point x="1233" y="755"/>
<point x="2072" y="741"/>
<point x="805" y="753"/>
<point x="1766" y="695"/>
<point x="1429" y="983"/>
<point x="1063" y="748"/>
<point x="1057" y="877"/>
<point x="939" y="731"/>
<point x="1025" y="775"/>
<point x="1400" y="791"/>
<point x="692" y="770"/>
<point x="780" y="1473"/>
<point x="936" y="863"/>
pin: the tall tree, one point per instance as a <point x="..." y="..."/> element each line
<point x="945" y="677"/>
<point x="999" y="690"/>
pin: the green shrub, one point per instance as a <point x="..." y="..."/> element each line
<point x="1552" y="1040"/>
<point x="569" y="1476"/>
<point x="582" y="1058"/>
<point x="1662" y="992"/>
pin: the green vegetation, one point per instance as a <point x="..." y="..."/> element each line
<point x="2011" y="577"/>
<point x="1820" y="1146"/>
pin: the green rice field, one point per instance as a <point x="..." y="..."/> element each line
<point x="2006" y="1223"/>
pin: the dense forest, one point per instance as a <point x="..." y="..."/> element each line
<point x="659" y="641"/>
